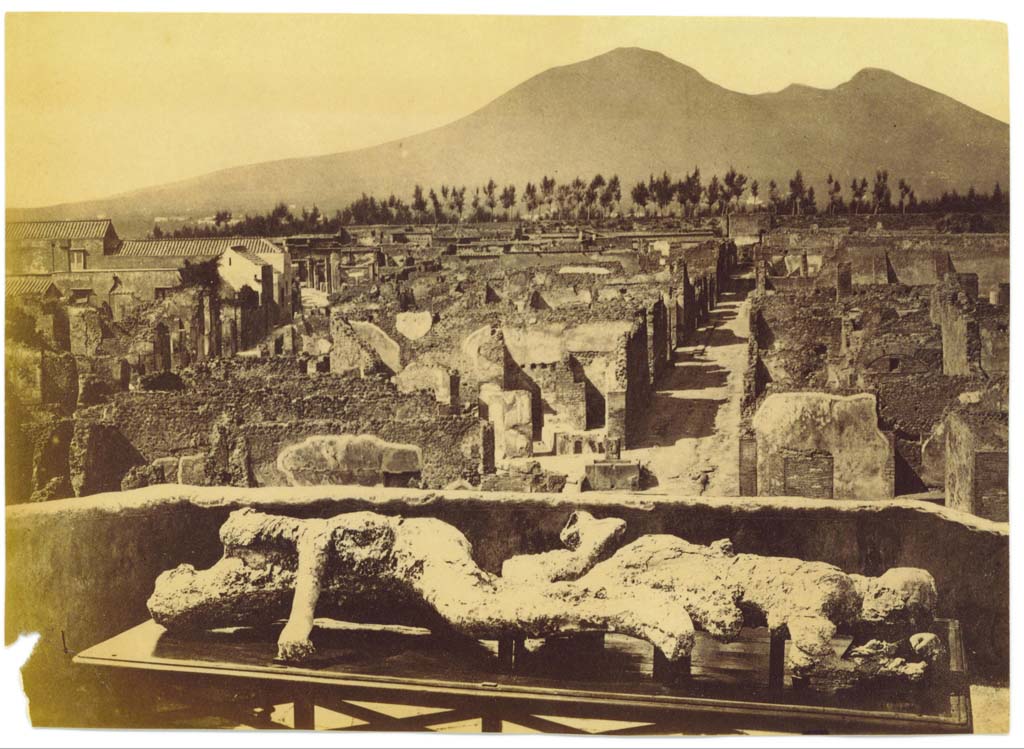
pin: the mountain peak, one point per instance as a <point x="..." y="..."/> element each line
<point x="638" y="52"/>
<point x="638" y="57"/>
<point x="869" y="76"/>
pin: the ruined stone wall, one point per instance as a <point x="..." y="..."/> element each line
<point x="912" y="256"/>
<point x="800" y="239"/>
<point x="243" y="392"/>
<point x="977" y="463"/>
<point x="58" y="380"/>
<point x="37" y="443"/>
<point x="867" y="222"/>
<point x="597" y="370"/>
<point x="626" y="405"/>
<point x="383" y="345"/>
<point x="99" y="456"/>
<point x="251" y="322"/>
<point x="994" y="332"/>
<point x="796" y="334"/>
<point x="910" y="406"/>
<point x="688" y="316"/>
<point x="350" y="354"/>
<point x="451" y="445"/>
<point x="660" y="357"/>
<point x="172" y="333"/>
<point x="954" y="311"/>
<point x="889" y="343"/>
<point x="890" y="322"/>
<point x="700" y="274"/>
<point x="560" y="400"/>
<point x="511" y="413"/>
<point x="824" y="445"/>
<point x="755" y="377"/>
<point x="442" y="382"/>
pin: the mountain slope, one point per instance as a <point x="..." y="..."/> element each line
<point x="631" y="112"/>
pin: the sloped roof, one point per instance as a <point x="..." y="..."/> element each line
<point x="252" y="257"/>
<point x="93" y="229"/>
<point x="28" y="285"/>
<point x="209" y="247"/>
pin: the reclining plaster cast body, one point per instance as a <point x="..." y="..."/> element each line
<point x="659" y="588"/>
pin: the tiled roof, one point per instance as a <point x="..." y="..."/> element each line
<point x="96" y="229"/>
<point x="252" y="257"/>
<point x="194" y="247"/>
<point x="27" y="285"/>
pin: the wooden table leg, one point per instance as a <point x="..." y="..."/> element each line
<point x="670" y="673"/>
<point x="511" y="653"/>
<point x="777" y="660"/>
<point x="490" y="723"/>
<point x="304" y="709"/>
<point x="505" y="653"/>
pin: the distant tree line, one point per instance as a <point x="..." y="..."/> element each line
<point x="578" y="199"/>
<point x="721" y="196"/>
<point x="278" y="222"/>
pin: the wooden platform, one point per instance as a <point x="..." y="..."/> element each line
<point x="526" y="683"/>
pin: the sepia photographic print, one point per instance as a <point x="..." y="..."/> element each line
<point x="522" y="374"/>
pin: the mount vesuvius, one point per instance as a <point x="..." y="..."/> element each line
<point x="632" y="112"/>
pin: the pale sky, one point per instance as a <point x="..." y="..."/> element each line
<point x="101" y="104"/>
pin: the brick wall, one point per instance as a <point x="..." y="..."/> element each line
<point x="748" y="466"/>
<point x="804" y="474"/>
<point x="991" y="484"/>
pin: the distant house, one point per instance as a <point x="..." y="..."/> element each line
<point x="58" y="246"/>
<point x="80" y="258"/>
<point x="87" y="262"/>
<point x="240" y="269"/>
<point x="174" y="252"/>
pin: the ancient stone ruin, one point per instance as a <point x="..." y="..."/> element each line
<point x="658" y="588"/>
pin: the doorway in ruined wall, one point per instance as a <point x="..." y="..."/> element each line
<point x="232" y="344"/>
<point x="516" y="378"/>
<point x="124" y="374"/>
<point x="594" y="400"/>
<point x="162" y="347"/>
<point x="595" y="405"/>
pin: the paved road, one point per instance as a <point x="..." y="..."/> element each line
<point x="692" y="424"/>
